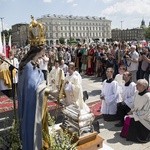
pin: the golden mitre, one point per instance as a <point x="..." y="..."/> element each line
<point x="36" y="33"/>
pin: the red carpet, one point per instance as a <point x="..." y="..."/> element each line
<point x="6" y="104"/>
<point x="52" y="105"/>
<point x="95" y="108"/>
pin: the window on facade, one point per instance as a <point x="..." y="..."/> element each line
<point x="51" y="35"/>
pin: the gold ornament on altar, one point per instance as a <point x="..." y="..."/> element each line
<point x="36" y="33"/>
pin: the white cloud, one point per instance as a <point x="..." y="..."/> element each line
<point x="47" y="1"/>
<point x="70" y="1"/>
<point x="74" y="5"/>
<point x="128" y="7"/>
<point x="107" y="1"/>
<point x="104" y="1"/>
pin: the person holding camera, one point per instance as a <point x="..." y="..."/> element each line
<point x="144" y="56"/>
<point x="133" y="62"/>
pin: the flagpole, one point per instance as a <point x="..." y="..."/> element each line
<point x="4" y="44"/>
<point x="2" y="22"/>
<point x="1" y="45"/>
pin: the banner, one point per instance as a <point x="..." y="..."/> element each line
<point x="9" y="43"/>
<point x="4" y="44"/>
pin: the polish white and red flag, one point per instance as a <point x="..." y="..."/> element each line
<point x="1" y="44"/>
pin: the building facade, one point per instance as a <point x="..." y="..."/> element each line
<point x="128" y="34"/>
<point x="83" y="29"/>
<point x="20" y="34"/>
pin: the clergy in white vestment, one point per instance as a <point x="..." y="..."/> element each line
<point x="5" y="80"/>
<point x="73" y="90"/>
<point x="109" y="96"/>
<point x="139" y="127"/>
<point x="14" y="61"/>
<point x="43" y="64"/>
<point x="56" y="79"/>
<point x="121" y="82"/>
<point x="64" y="67"/>
<point x="128" y="93"/>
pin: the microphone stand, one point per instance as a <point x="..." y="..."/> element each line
<point x="11" y="68"/>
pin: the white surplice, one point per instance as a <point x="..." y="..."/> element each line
<point x="74" y="93"/>
<point x="111" y="94"/>
<point x="57" y="75"/>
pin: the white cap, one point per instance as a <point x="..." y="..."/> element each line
<point x="133" y="46"/>
<point x="2" y="54"/>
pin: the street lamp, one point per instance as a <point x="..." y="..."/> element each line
<point x="121" y="30"/>
<point x="121" y="24"/>
<point x="2" y="22"/>
<point x="87" y="28"/>
<point x="70" y="29"/>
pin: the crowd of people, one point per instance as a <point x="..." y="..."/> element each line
<point x="58" y="71"/>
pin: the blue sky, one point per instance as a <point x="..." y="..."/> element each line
<point x="130" y="12"/>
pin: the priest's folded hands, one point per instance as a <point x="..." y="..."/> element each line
<point x="47" y="91"/>
<point x="66" y="82"/>
<point x="102" y="97"/>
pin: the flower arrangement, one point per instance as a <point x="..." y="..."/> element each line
<point x="61" y="139"/>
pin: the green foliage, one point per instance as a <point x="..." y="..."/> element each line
<point x="60" y="139"/>
<point x="147" y="33"/>
<point x="7" y="34"/>
<point x="72" y="41"/>
<point x="10" y="140"/>
<point x="62" y="40"/>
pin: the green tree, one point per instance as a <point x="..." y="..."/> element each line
<point x="147" y="33"/>
<point x="7" y="34"/>
<point x="62" y="40"/>
<point x="71" y="41"/>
